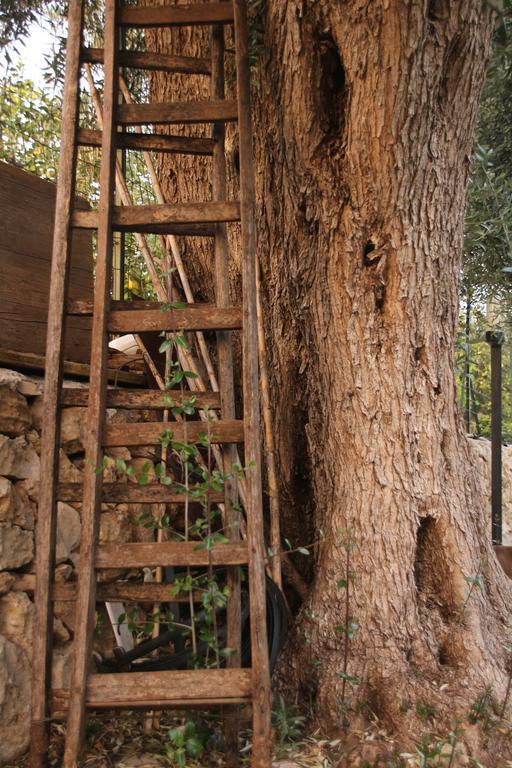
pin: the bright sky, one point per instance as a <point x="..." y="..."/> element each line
<point x="32" y="52"/>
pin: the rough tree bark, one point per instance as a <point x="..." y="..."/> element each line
<point x="364" y="116"/>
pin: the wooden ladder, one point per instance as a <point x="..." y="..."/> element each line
<point x="232" y="685"/>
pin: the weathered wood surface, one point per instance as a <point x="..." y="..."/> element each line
<point x="151" y="142"/>
<point x="129" y="591"/>
<point x="142" y="218"/>
<point x="261" y="702"/>
<point x="177" y="113"/>
<point x="141" y="399"/>
<point x="90" y="220"/>
<point x="154" y="61"/>
<point x="170" y="16"/>
<point x="195" y="318"/>
<point x="57" y="284"/>
<point x="130" y="493"/>
<point x="26" y="225"/>
<point x="148" y="433"/>
<point x="85" y="603"/>
<point x="165" y="553"/>
<point x="27" y="361"/>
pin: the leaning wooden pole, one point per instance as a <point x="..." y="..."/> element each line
<point x="46" y="519"/>
<point x="261" y="737"/>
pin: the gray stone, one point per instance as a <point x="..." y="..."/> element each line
<point x="62" y="667"/>
<point x="18" y="459"/>
<point x="6" y="581"/>
<point x="18" y="382"/>
<point x="16" y="619"/>
<point x="72" y="430"/>
<point x="15" y="505"/>
<point x="68" y="472"/>
<point x="15" y="418"/>
<point x="68" y="531"/>
<point x="14" y="701"/>
<point x="16" y="546"/>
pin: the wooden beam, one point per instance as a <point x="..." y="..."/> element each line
<point x="130" y="493"/>
<point x="30" y="362"/>
<point x="165" y="553"/>
<point x="151" y="142"/>
<point x="174" y="16"/>
<point x="89" y="220"/>
<point x="189" y="65"/>
<point x="142" y="218"/>
<point x="47" y="521"/>
<point x="148" y="433"/>
<point x="196" y="318"/>
<point x="177" y="113"/>
<point x="130" y="591"/>
<point x="141" y="398"/>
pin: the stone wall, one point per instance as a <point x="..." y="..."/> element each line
<point x="20" y="423"/>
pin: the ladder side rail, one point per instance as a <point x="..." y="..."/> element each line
<point x="85" y="603"/>
<point x="261" y="742"/>
<point x="54" y="362"/>
<point x="226" y="387"/>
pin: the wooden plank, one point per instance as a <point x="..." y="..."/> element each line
<point x="47" y="518"/>
<point x="141" y="398"/>
<point x="89" y="220"/>
<point x="173" y="16"/>
<point x="231" y="517"/>
<point x="130" y="591"/>
<point x="151" y="142"/>
<point x="261" y="702"/>
<point x="148" y="433"/>
<point x="177" y="113"/>
<point x="142" y="218"/>
<point x="129" y="493"/>
<point x="166" y="553"/>
<point x="29" y="362"/>
<point x="161" y="62"/>
<point x="25" y="266"/>
<point x="195" y="318"/>
<point x="85" y="604"/>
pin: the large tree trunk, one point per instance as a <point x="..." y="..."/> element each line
<point x="364" y="115"/>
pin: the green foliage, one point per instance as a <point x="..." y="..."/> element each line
<point x="187" y="741"/>
<point x="287" y="722"/>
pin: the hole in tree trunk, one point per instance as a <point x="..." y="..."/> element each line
<point x="332" y="90"/>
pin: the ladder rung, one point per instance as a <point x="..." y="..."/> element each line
<point x="202" y="318"/>
<point x="141" y="399"/>
<point x="131" y="591"/>
<point x="151" y="142"/>
<point x="177" y="113"/>
<point x="150" y="60"/>
<point x="140" y="316"/>
<point x="145" y="554"/>
<point x="152" y="218"/>
<point x="90" y="221"/>
<point x="130" y="493"/>
<point x="147" y="433"/>
<point x="176" y="16"/>
<point x="158" y="690"/>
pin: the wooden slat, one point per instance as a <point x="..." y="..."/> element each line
<point x="173" y="16"/>
<point x="129" y="591"/>
<point x="47" y="522"/>
<point x="129" y="493"/>
<point x="142" y="218"/>
<point x="151" y="142"/>
<point x="89" y="220"/>
<point x="176" y="688"/>
<point x="199" y="318"/>
<point x="85" y="603"/>
<point x="261" y="703"/>
<point x="141" y="398"/>
<point x="166" y="553"/>
<point x="154" y="61"/>
<point x="148" y="433"/>
<point x="177" y="113"/>
<point x="29" y="362"/>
